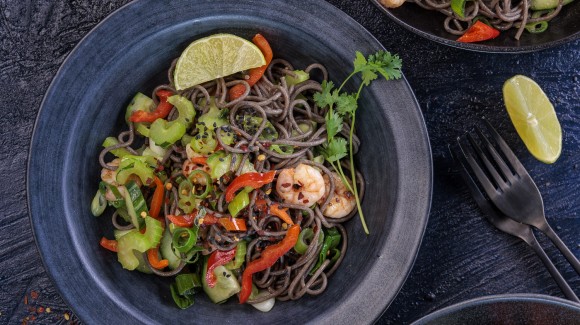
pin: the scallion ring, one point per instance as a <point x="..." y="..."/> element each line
<point x="208" y="182"/>
<point x="184" y="239"/>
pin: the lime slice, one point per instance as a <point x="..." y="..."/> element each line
<point x="213" y="57"/>
<point x="533" y="117"/>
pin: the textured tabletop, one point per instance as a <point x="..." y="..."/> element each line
<point x="461" y="257"/>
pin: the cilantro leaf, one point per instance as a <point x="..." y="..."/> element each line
<point x="380" y="63"/>
<point x="327" y="97"/>
<point x="335" y="150"/>
<point x="346" y="104"/>
<point x="359" y="62"/>
<point x="368" y="75"/>
<point x="333" y="124"/>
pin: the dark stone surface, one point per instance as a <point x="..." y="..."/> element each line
<point x="461" y="257"/>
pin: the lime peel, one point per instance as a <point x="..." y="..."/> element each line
<point x="213" y="57"/>
<point x="533" y="117"/>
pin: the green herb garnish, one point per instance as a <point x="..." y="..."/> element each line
<point x="342" y="106"/>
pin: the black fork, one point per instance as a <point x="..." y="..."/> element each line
<point x="507" y="225"/>
<point x="508" y="184"/>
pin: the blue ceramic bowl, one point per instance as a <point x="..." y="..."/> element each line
<point x="129" y="52"/>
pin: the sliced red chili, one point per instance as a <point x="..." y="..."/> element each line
<point x="268" y="257"/>
<point x="217" y="258"/>
<point x="161" y="111"/>
<point x="254" y="180"/>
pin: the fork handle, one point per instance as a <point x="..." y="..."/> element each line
<point x="553" y="271"/>
<point x="561" y="246"/>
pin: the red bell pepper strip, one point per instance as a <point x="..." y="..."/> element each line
<point x="184" y="220"/>
<point x="269" y="256"/>
<point x="109" y="244"/>
<point x="478" y="32"/>
<point x="232" y="224"/>
<point x="254" y="180"/>
<point x="229" y="223"/>
<point x="217" y="258"/>
<point x="153" y="257"/>
<point x="256" y="73"/>
<point x="157" y="200"/>
<point x="163" y="109"/>
<point x="281" y="213"/>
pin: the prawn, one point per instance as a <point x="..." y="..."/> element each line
<point x="342" y="201"/>
<point x="303" y="185"/>
<point x="110" y="176"/>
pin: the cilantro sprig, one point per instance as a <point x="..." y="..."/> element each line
<point x="342" y="108"/>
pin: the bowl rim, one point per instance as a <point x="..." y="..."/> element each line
<point x="70" y="297"/>
<point x="478" y="47"/>
<point x="510" y="297"/>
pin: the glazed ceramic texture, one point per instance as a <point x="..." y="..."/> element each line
<point x="130" y="52"/>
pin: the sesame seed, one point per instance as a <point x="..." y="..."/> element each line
<point x="268" y="191"/>
<point x="261" y="157"/>
<point x="48" y="310"/>
<point x="168" y="186"/>
<point x="66" y="316"/>
<point x="143" y="214"/>
<point x="284" y="226"/>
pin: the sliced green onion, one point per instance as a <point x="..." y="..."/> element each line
<point x="186" y="200"/>
<point x="335" y="255"/>
<point x="536" y="28"/>
<point x="541" y="26"/>
<point x="187" y="283"/>
<point x="240" y="256"/>
<point x="240" y="201"/>
<point x="99" y="203"/>
<point x="208" y="182"/>
<point x="303" y="240"/>
<point x="331" y="240"/>
<point x="184" y="239"/>
<point x="182" y="302"/>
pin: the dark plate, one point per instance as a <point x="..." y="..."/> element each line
<point x="129" y="52"/>
<point x="507" y="309"/>
<point x="429" y="24"/>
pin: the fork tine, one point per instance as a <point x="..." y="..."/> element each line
<point x="481" y="177"/>
<point x="481" y="201"/>
<point x="506" y="172"/>
<point x="490" y="168"/>
<point x="505" y="149"/>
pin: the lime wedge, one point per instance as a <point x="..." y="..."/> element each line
<point x="533" y="117"/>
<point x="213" y="57"/>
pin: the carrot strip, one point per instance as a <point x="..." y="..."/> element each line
<point x="109" y="244"/>
<point x="281" y="213"/>
<point x="157" y="200"/>
<point x="153" y="258"/>
<point x="256" y="73"/>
